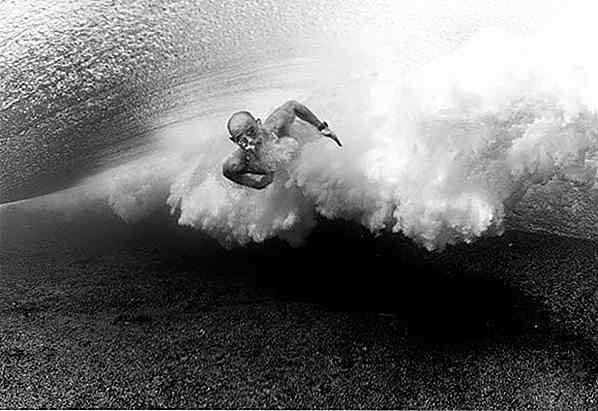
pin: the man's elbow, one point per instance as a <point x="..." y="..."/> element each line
<point x="229" y="173"/>
<point x="293" y="105"/>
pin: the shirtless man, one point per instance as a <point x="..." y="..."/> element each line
<point x="247" y="165"/>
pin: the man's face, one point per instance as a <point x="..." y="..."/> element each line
<point x="247" y="137"/>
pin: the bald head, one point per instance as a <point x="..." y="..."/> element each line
<point x="239" y="122"/>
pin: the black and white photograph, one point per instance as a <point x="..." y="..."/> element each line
<point x="299" y="204"/>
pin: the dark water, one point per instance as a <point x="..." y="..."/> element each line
<point x="152" y="313"/>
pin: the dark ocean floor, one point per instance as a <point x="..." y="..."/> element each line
<point x="98" y="313"/>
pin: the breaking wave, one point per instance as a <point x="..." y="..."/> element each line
<point x="442" y="152"/>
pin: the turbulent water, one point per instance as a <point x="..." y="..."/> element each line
<point x="457" y="121"/>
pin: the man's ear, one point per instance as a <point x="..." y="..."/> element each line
<point x="259" y="121"/>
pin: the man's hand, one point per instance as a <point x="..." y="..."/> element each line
<point x="261" y="182"/>
<point x="326" y="132"/>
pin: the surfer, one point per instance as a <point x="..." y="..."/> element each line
<point x="248" y="165"/>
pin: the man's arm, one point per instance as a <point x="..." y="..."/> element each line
<point x="282" y="118"/>
<point x="235" y="170"/>
<point x="284" y="115"/>
<point x="251" y="180"/>
<point x="303" y="113"/>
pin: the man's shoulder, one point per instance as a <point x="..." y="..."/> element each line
<point x="280" y="118"/>
<point x="286" y="108"/>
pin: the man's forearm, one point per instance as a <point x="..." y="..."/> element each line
<point x="305" y="114"/>
<point x="252" y="180"/>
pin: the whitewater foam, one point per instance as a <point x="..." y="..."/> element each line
<point x="436" y="154"/>
<point x="441" y="153"/>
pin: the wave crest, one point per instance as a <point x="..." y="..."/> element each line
<point x="442" y="153"/>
